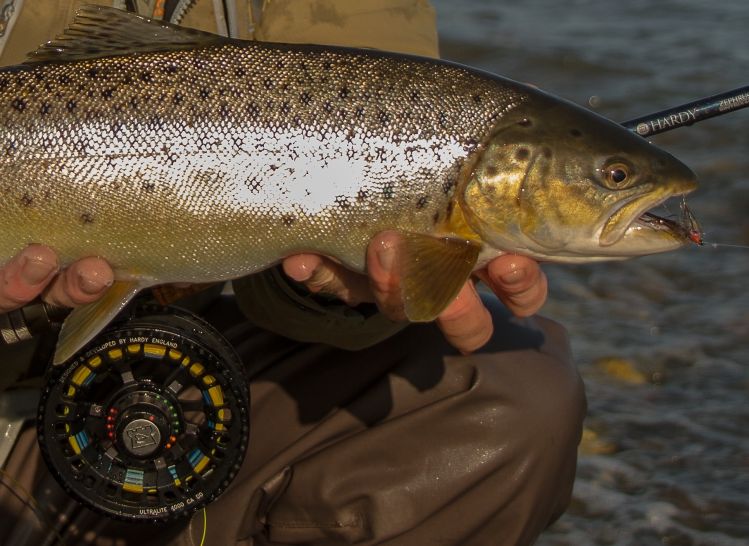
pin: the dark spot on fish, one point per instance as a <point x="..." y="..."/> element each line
<point x="415" y="96"/>
<point x="238" y="142"/>
<point x="224" y="111"/>
<point x="149" y="187"/>
<point x="327" y="65"/>
<point x="87" y="218"/>
<point x="253" y="109"/>
<point x="288" y="220"/>
<point x="436" y="218"/>
<point x="92" y="72"/>
<point x="107" y="93"/>
<point x="127" y="80"/>
<point x="18" y="104"/>
<point x="359" y="112"/>
<point x="362" y="195"/>
<point x="443" y="120"/>
<point x="447" y="186"/>
<point x="3" y="83"/>
<point x="39" y="76"/>
<point x="134" y="102"/>
<point x="471" y="144"/>
<point x="255" y="184"/>
<point x="165" y="149"/>
<point x="64" y="79"/>
<point x="342" y="201"/>
<point x="205" y="93"/>
<point x="273" y="168"/>
<point x="491" y="171"/>
<point x="27" y="200"/>
<point x="546" y="152"/>
<point x="476" y="98"/>
<point x="116" y="127"/>
<point x="305" y="97"/>
<point x="343" y="92"/>
<point x="449" y="211"/>
<point x="297" y="121"/>
<point x="177" y="98"/>
<point x="146" y="76"/>
<point x="525" y="123"/>
<point x="11" y="147"/>
<point x="522" y="154"/>
<point x="268" y="83"/>
<point x="388" y="190"/>
<point x="576" y="133"/>
<point x="171" y="68"/>
<point x="383" y="117"/>
<point x="422" y="202"/>
<point x="285" y="107"/>
<point x="240" y="72"/>
<point x="327" y="106"/>
<point x="279" y="64"/>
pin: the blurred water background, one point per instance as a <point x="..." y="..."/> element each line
<point x="662" y="342"/>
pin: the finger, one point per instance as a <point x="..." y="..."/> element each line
<point x="382" y="260"/>
<point x="466" y="323"/>
<point x="519" y="282"/>
<point x="26" y="275"/>
<point x="83" y="282"/>
<point x="321" y="275"/>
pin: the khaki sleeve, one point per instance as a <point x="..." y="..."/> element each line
<point x="405" y="26"/>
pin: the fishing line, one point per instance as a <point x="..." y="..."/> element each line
<point x="205" y="527"/>
<point x="31" y="503"/>
<point x="718" y="245"/>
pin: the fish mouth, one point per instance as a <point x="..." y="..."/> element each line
<point x="685" y="229"/>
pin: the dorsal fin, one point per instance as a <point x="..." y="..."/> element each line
<point x="101" y="31"/>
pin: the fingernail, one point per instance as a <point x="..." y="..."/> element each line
<point x="35" y="271"/>
<point x="515" y="276"/>
<point x="386" y="256"/>
<point x="301" y="273"/>
<point x="92" y="284"/>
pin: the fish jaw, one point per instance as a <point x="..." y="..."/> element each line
<point x="560" y="183"/>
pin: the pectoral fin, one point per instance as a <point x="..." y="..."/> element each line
<point x="433" y="270"/>
<point x="86" y="321"/>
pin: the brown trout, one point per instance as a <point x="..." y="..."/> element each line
<point x="180" y="156"/>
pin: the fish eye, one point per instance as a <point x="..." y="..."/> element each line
<point x="617" y="174"/>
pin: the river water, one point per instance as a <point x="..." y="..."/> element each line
<point x="666" y="457"/>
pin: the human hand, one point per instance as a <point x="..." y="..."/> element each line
<point x="36" y="271"/>
<point x="517" y="281"/>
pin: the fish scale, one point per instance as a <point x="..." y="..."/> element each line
<point x="241" y="147"/>
<point x="180" y="156"/>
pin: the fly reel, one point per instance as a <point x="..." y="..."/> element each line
<point x="151" y="420"/>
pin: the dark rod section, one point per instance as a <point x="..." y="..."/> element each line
<point x="689" y="113"/>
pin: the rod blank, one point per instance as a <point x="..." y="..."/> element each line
<point x="687" y="114"/>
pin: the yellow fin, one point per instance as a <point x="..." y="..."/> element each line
<point x="84" y="322"/>
<point x="433" y="270"/>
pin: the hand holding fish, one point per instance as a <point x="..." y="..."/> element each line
<point x="36" y="271"/>
<point x="517" y="280"/>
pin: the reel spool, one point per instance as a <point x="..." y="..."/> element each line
<point x="151" y="420"/>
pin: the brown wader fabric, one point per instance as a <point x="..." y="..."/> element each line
<point x="405" y="443"/>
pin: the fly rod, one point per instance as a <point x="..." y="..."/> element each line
<point x="687" y="114"/>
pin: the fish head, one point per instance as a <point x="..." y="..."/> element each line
<point x="560" y="183"/>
